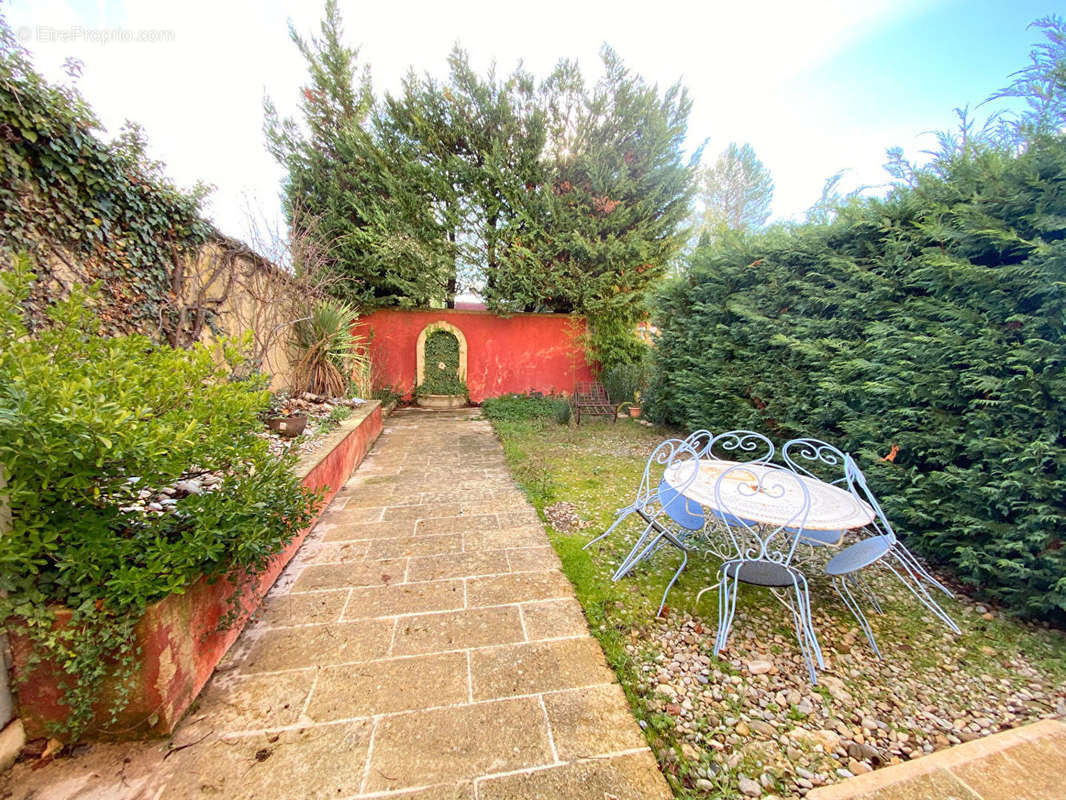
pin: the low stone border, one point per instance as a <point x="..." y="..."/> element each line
<point x="180" y="637"/>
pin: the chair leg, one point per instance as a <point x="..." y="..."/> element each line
<point x="868" y="591"/>
<point x="809" y="617"/>
<point x="621" y="516"/>
<point x="673" y="580"/>
<point x="917" y="568"/>
<point x="914" y="583"/>
<point x="635" y="554"/>
<point x="727" y="607"/>
<point x="804" y="632"/>
<point x="840" y="584"/>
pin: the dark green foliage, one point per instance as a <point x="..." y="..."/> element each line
<point x="932" y="321"/>
<point x="600" y="224"/>
<point x="478" y="141"/>
<point x="624" y="381"/>
<point x="562" y="410"/>
<point x="550" y="196"/>
<point x="442" y="365"/>
<point x="86" y="423"/>
<point x="520" y="407"/>
<point x="368" y="195"/>
<point x="103" y="208"/>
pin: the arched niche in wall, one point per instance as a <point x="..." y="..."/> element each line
<point x="420" y="349"/>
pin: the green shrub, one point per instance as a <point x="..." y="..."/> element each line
<point x="102" y="210"/>
<point x="933" y="321"/>
<point x="520" y="407"/>
<point x="326" y="350"/>
<point x="388" y="395"/>
<point x="86" y="424"/>
<point x="612" y="339"/>
<point x="623" y="381"/>
<point x="562" y="410"/>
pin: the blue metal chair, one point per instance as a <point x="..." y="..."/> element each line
<point x="738" y="445"/>
<point x="763" y="553"/>
<point x="699" y="441"/>
<point x="669" y="517"/>
<point x="844" y="569"/>
<point x="822" y="461"/>
<point x="882" y="548"/>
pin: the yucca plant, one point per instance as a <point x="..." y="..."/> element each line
<point x="326" y="350"/>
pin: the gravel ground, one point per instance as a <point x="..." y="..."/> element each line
<point x="318" y="410"/>
<point x="752" y="720"/>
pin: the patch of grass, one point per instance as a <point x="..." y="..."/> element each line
<point x="335" y="418"/>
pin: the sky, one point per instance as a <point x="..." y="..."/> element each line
<point x="815" y="87"/>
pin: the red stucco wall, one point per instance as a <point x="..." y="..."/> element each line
<point x="520" y="353"/>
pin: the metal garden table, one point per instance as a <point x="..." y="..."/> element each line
<point x="832" y="509"/>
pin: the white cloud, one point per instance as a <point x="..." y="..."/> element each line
<point x="199" y="96"/>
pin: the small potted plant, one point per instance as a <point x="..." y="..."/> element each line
<point x="634" y="407"/>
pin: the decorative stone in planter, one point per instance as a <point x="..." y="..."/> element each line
<point x="441" y="400"/>
<point x="180" y="636"/>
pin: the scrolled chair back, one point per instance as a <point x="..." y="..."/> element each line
<point x="759" y="540"/>
<point x="859" y="489"/>
<point x="700" y="441"/>
<point x="739" y="445"/>
<point x="665" y="455"/>
<point x="803" y="455"/>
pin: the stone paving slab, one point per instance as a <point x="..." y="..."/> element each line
<point x="1027" y="763"/>
<point x="422" y="645"/>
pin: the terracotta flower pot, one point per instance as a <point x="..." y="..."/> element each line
<point x="634" y="411"/>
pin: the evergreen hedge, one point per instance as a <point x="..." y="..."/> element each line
<point x="932" y="322"/>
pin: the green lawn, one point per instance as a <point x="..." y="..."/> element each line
<point x="723" y="723"/>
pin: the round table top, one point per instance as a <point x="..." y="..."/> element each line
<point x="778" y="501"/>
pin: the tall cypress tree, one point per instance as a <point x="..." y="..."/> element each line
<point x="601" y="227"/>
<point x="372" y="204"/>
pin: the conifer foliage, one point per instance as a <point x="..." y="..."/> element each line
<point x="552" y="195"/>
<point x="924" y="332"/>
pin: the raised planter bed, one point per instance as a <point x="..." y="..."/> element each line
<point x="183" y="636"/>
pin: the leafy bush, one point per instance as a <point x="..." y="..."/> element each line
<point x="623" y="381"/>
<point x="521" y="407"/>
<point x="388" y="395"/>
<point x="612" y="339"/>
<point x="327" y="352"/>
<point x="562" y="410"/>
<point x="88" y="423"/>
<point x="442" y="365"/>
<point x="932" y="321"/>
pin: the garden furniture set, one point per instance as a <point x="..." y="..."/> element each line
<point x="725" y="495"/>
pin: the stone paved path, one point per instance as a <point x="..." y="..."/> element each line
<point x="423" y="644"/>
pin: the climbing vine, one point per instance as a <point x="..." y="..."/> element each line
<point x="86" y="209"/>
<point x="442" y="365"/>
